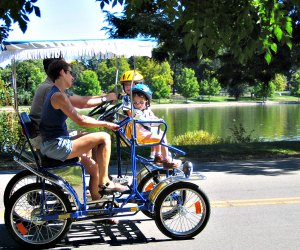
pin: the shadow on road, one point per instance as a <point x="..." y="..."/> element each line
<point x="126" y="232"/>
<point x="267" y="167"/>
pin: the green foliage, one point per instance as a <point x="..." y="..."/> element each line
<point x="262" y="90"/>
<point x="16" y="12"/>
<point x="88" y="84"/>
<point x="187" y="83"/>
<point x="9" y="131"/>
<point x="30" y="74"/>
<point x="199" y="137"/>
<point x="204" y="28"/>
<point x="24" y="96"/>
<point x="237" y="91"/>
<point x="26" y="73"/>
<point x="77" y="68"/>
<point x="160" y="87"/>
<point x="280" y="82"/>
<point x="6" y="94"/>
<point x="107" y="69"/>
<point x="149" y="69"/>
<point x="239" y="134"/>
<point x="210" y="87"/>
<point x="295" y="86"/>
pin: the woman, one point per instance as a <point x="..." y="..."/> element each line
<point x="56" y="140"/>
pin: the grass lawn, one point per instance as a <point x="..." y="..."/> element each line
<point x="233" y="151"/>
<point x="177" y="99"/>
<point x="209" y="153"/>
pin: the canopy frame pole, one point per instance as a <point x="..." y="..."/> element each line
<point x="134" y="74"/>
<point x="117" y="76"/>
<point x="14" y="84"/>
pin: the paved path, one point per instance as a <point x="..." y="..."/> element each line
<point x="265" y="167"/>
<point x="250" y="185"/>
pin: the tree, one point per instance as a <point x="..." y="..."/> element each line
<point x="187" y="83"/>
<point x="107" y="70"/>
<point x="237" y="91"/>
<point x="263" y="91"/>
<point x="210" y="87"/>
<point x="295" y="83"/>
<point x="160" y="87"/>
<point x="203" y="28"/>
<point x="280" y="82"/>
<point x="16" y="11"/>
<point x="88" y="84"/>
<point x="30" y="74"/>
<point x="77" y="68"/>
<point x="149" y="69"/>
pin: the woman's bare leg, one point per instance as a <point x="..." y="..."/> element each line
<point x="102" y="142"/>
<point x="92" y="168"/>
<point x="102" y="158"/>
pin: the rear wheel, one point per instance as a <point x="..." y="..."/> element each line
<point x="23" y="211"/>
<point x="20" y="179"/>
<point x="181" y="211"/>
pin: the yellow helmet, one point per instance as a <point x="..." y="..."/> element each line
<point x="130" y="75"/>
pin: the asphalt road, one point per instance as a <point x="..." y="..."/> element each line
<point x="255" y="205"/>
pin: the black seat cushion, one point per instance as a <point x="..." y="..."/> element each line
<point x="30" y="125"/>
<point x="47" y="162"/>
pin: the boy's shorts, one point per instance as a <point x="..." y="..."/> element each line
<point x="59" y="148"/>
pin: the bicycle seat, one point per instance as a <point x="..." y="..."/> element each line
<point x="47" y="162"/>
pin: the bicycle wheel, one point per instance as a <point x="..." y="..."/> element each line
<point x="23" y="209"/>
<point x="147" y="184"/>
<point x="20" y="179"/>
<point x="181" y="211"/>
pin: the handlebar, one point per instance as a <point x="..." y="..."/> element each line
<point x="124" y="121"/>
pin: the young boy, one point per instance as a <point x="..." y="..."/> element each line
<point x="126" y="80"/>
<point x="141" y="97"/>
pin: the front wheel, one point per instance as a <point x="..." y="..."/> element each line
<point x="181" y="211"/>
<point x="24" y="208"/>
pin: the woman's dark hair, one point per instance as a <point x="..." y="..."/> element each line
<point x="55" y="67"/>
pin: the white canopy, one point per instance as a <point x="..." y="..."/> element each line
<point x="72" y="49"/>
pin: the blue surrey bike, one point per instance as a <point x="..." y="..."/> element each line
<point x="40" y="214"/>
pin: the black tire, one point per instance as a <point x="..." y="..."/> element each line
<point x="25" y="204"/>
<point x="147" y="184"/>
<point x="181" y="210"/>
<point x="20" y="179"/>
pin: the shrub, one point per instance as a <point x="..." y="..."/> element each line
<point x="240" y="135"/>
<point x="9" y="131"/>
<point x="195" y="138"/>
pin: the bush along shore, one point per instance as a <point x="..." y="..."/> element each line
<point x="200" y="147"/>
<point x="205" y="153"/>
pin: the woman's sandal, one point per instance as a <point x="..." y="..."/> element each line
<point x="108" y="188"/>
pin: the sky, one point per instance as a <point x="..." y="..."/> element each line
<point x="64" y="20"/>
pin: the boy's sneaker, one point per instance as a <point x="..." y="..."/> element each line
<point x="158" y="159"/>
<point x="171" y="164"/>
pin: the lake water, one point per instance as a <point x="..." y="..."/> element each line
<point x="269" y="122"/>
